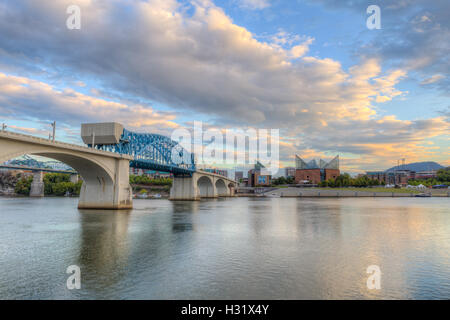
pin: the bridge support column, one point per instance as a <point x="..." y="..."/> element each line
<point x="102" y="192"/>
<point x="184" y="188"/>
<point x="232" y="191"/>
<point x="74" y="178"/>
<point x="37" y="186"/>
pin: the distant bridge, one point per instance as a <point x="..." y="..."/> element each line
<point x="33" y="169"/>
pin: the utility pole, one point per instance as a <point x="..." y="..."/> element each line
<point x="54" y="130"/>
<point x="93" y="140"/>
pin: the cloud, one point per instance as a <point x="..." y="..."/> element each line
<point x="378" y="142"/>
<point x="31" y="131"/>
<point x="254" y="4"/>
<point x="301" y="49"/>
<point x="446" y="113"/>
<point x="26" y="98"/>
<point x="199" y="63"/>
<point x="433" y="79"/>
<point x="415" y="35"/>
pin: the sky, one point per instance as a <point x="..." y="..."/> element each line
<point x="312" y="69"/>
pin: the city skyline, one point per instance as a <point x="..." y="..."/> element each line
<point x="311" y="69"/>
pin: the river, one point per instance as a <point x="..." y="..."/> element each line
<point x="240" y="248"/>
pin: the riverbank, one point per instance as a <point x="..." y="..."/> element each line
<point x="152" y="191"/>
<point x="292" y="192"/>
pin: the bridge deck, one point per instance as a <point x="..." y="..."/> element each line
<point x="147" y="164"/>
<point x="211" y="174"/>
<point x="63" y="145"/>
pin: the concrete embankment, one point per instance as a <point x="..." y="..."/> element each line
<point x="313" y="192"/>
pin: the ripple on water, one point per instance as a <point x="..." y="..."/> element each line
<point x="232" y="249"/>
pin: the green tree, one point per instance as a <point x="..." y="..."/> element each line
<point x="443" y="175"/>
<point x="51" y="179"/>
<point x="147" y="181"/>
<point x="23" y="186"/>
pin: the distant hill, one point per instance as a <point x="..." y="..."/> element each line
<point x="418" y="167"/>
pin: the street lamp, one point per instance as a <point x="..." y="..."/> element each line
<point x="93" y="139"/>
<point x="54" y="131"/>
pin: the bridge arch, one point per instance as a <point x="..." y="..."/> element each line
<point x="221" y="188"/>
<point x="205" y="187"/>
<point x="89" y="169"/>
<point x="105" y="175"/>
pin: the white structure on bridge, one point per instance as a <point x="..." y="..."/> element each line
<point x="106" y="174"/>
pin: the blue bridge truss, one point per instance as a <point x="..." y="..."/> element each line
<point x="154" y="152"/>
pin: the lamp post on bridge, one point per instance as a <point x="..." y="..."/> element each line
<point x="54" y="130"/>
<point x="93" y="139"/>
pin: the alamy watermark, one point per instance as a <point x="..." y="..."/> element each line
<point x="374" y="280"/>
<point x="74" y="280"/>
<point x="374" y="20"/>
<point x="230" y="147"/>
<point x="74" y="19"/>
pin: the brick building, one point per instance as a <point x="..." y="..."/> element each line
<point x="289" y="172"/>
<point x="259" y="176"/>
<point x="398" y="177"/>
<point x="316" y="171"/>
<point x="238" y="175"/>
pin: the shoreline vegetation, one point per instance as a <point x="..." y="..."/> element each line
<point x="58" y="184"/>
<point x="374" y="189"/>
<point x="55" y="184"/>
<point x="143" y="185"/>
<point x="345" y="180"/>
<point x="299" y="192"/>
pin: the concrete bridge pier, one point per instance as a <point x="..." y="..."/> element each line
<point x="101" y="192"/>
<point x="37" y="186"/>
<point x="74" y="178"/>
<point x="184" y="188"/>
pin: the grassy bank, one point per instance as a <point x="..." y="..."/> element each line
<point x="380" y="189"/>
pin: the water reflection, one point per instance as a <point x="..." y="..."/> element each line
<point x="227" y="249"/>
<point x="104" y="250"/>
<point x="182" y="215"/>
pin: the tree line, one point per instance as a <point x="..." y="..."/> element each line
<point x="55" y="184"/>
<point x="442" y="177"/>
<point x="147" y="181"/>
<point x="345" y="180"/>
<point x="58" y="184"/>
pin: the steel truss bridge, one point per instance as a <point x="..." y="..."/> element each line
<point x="153" y="152"/>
